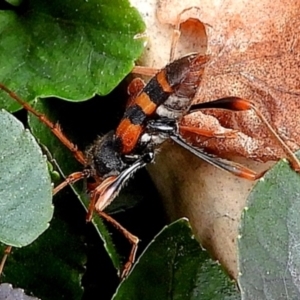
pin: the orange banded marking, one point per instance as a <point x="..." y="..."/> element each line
<point x="163" y="81"/>
<point x="144" y="100"/>
<point x="146" y="104"/>
<point x="129" y="135"/>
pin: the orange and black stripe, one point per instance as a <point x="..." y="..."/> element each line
<point x="131" y="126"/>
<point x="154" y="94"/>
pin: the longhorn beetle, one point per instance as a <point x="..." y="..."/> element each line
<point x="152" y="116"/>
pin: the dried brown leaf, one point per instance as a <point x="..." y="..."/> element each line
<point x="254" y="47"/>
<point x="255" y="52"/>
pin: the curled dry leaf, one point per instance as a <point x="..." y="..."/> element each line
<point x="255" y="54"/>
<point x="255" y="51"/>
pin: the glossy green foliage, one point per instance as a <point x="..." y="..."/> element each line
<point x="175" y="267"/>
<point x="68" y="49"/>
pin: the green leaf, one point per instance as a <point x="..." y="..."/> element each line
<point x="175" y="267"/>
<point x="68" y="49"/>
<point x="52" y="266"/>
<point x="25" y="186"/>
<point x="269" y="254"/>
